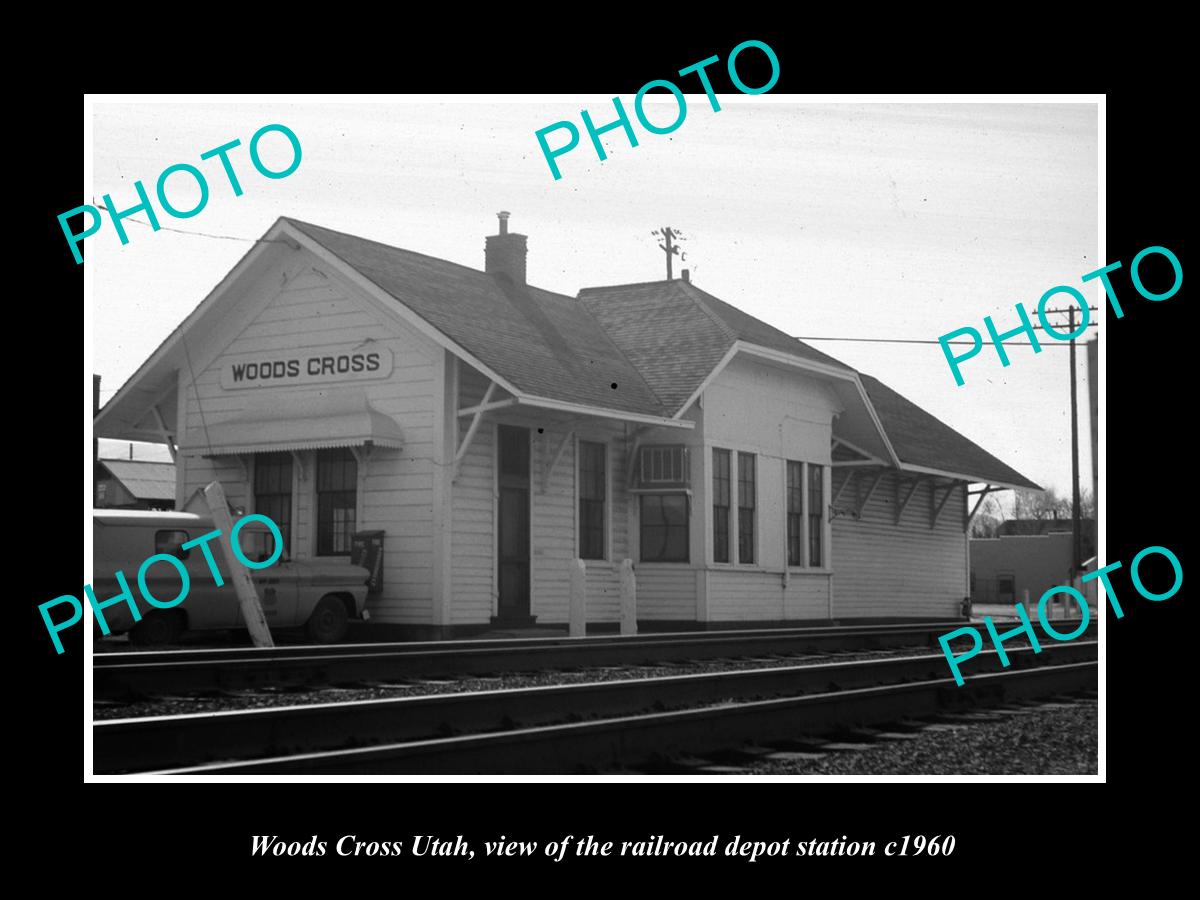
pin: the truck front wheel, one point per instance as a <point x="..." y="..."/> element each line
<point x="157" y="628"/>
<point x="327" y="624"/>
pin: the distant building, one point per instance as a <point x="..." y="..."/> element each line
<point x="1004" y="567"/>
<point x="1087" y="530"/>
<point x="135" y="484"/>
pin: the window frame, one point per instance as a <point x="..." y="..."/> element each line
<point x="288" y="529"/>
<point x="813" y="519"/>
<point x="687" y="526"/>
<point x="727" y="455"/>
<point x="795" y="487"/>
<point x="752" y="517"/>
<point x="605" y="500"/>
<point x="318" y="549"/>
<point x="817" y="531"/>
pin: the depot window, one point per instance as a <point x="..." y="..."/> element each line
<point x="747" y="493"/>
<point x="816" y="512"/>
<point x="795" y="512"/>
<point x="273" y="491"/>
<point x="592" y="494"/>
<point x="720" y="505"/>
<point x="664" y="526"/>
<point x="337" y="501"/>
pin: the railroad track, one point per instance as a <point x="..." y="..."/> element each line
<point x="538" y="730"/>
<point x="123" y="675"/>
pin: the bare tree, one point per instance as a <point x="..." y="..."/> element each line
<point x="1087" y="504"/>
<point x="1041" y="505"/>
<point x="986" y="523"/>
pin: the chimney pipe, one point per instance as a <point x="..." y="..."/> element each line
<point x="687" y="276"/>
<point x="504" y="253"/>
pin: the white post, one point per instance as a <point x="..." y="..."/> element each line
<point x="578" y="623"/>
<point x="628" y="598"/>
<point x="252" y="611"/>
<point x="1025" y="600"/>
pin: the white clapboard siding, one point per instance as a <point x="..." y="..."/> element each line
<point x="884" y="569"/>
<point x="310" y="312"/>
<point x="666" y="591"/>
<point x="472" y="594"/>
<point x="735" y="596"/>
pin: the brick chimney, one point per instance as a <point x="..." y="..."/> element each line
<point x="504" y="253"/>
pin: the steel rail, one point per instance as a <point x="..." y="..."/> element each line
<point x="117" y="675"/>
<point x="178" y="740"/>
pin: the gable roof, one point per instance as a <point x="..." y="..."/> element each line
<point x="642" y="350"/>
<point x="145" y="480"/>
<point x="676" y="334"/>
<point x="921" y="439"/>
<point x="543" y="343"/>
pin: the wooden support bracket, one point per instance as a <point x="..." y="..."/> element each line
<point x="472" y="428"/>
<point x="168" y="438"/>
<point x="902" y="502"/>
<point x="937" y="510"/>
<point x="862" y="504"/>
<point x="978" y="503"/>
<point x="553" y="458"/>
<point x="843" y="486"/>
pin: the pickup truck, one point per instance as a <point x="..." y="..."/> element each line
<point x="321" y="595"/>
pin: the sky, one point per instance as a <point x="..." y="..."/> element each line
<point x="897" y="221"/>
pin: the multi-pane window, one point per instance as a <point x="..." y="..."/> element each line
<point x="720" y="505"/>
<point x="273" y="491"/>
<point x="664" y="524"/>
<point x="795" y="512"/>
<point x="816" y="511"/>
<point x="746" y="495"/>
<point x="592" y="492"/>
<point x="337" y="498"/>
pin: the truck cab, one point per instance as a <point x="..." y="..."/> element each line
<point x="319" y="595"/>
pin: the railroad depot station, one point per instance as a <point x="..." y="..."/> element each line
<point x="495" y="433"/>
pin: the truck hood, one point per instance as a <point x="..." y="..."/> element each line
<point x="330" y="571"/>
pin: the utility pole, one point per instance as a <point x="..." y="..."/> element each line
<point x="1076" y="557"/>
<point x="671" y="249"/>
<point x="1076" y="549"/>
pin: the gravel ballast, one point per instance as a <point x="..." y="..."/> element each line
<point x="267" y="697"/>
<point x="1050" y="740"/>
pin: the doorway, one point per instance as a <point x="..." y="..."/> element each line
<point x="513" y="524"/>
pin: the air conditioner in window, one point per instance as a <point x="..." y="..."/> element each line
<point x="663" y="467"/>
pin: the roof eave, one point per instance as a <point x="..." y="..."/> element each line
<point x="973" y="479"/>
<point x="602" y="412"/>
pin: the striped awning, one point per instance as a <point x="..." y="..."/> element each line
<point x="321" y="423"/>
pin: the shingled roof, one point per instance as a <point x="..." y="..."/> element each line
<point x="656" y="341"/>
<point x="544" y="344"/>
<point x="676" y="333"/>
<point x="921" y="439"/>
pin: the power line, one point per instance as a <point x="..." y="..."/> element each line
<point x="949" y="343"/>
<point x="220" y="237"/>
<point x="915" y="341"/>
